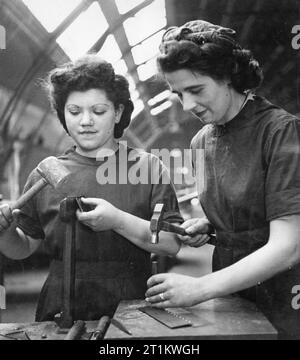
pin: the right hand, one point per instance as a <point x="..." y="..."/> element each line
<point x="6" y="217"/>
<point x="197" y="230"/>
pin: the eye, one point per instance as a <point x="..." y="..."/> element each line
<point x="196" y="91"/>
<point x="74" y="112"/>
<point x="99" y="112"/>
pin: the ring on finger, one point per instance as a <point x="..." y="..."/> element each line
<point x="162" y="297"/>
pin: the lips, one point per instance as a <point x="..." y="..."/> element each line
<point x="201" y="114"/>
<point x="87" y="132"/>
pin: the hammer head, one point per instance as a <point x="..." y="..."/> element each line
<point x="53" y="171"/>
<point x="155" y="223"/>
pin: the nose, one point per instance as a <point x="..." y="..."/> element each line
<point x="86" y="119"/>
<point x="188" y="102"/>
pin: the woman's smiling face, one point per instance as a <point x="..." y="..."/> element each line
<point x="208" y="99"/>
<point x="90" y="118"/>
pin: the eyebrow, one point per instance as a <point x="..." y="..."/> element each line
<point x="189" y="88"/>
<point x="97" y="104"/>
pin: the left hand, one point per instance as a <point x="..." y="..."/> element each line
<point x="172" y="290"/>
<point x="103" y="217"/>
<point x="197" y="232"/>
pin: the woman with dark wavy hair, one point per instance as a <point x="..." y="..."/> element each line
<point x="250" y="185"/>
<point x="113" y="235"/>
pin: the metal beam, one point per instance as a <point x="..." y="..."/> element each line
<point x="111" y="13"/>
<point x="39" y="61"/>
<point x="117" y="22"/>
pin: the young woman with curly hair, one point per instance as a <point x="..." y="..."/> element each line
<point x="113" y="239"/>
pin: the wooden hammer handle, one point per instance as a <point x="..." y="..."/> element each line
<point x="102" y="326"/>
<point x="76" y="330"/>
<point x="29" y="194"/>
<point x="181" y="231"/>
<point x="172" y="228"/>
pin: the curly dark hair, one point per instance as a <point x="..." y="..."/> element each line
<point x="89" y="72"/>
<point x="210" y="50"/>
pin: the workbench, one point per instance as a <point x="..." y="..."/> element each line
<point x="221" y="318"/>
<point x="46" y="330"/>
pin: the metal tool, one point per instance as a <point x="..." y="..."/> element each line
<point x="120" y="326"/>
<point x="67" y="213"/>
<point x="157" y="224"/>
<point x="166" y="317"/>
<point x="17" y="335"/>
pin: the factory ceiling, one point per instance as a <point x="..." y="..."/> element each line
<point x="41" y="34"/>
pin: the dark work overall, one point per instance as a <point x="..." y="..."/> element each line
<point x="109" y="267"/>
<point x="252" y="176"/>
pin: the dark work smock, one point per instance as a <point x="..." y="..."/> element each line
<point x="109" y="268"/>
<point x="250" y="176"/>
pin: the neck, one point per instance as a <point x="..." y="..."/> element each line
<point x="105" y="150"/>
<point x="238" y="102"/>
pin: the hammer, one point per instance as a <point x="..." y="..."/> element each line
<point x="52" y="172"/>
<point x="157" y="224"/>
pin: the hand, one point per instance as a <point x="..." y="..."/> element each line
<point x="197" y="230"/>
<point x="172" y="290"/>
<point x="6" y="217"/>
<point x="103" y="217"/>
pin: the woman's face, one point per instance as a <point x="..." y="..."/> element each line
<point x="210" y="100"/>
<point x="90" y="119"/>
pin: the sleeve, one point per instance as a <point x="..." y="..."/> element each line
<point x="28" y="219"/>
<point x="163" y="191"/>
<point x="282" y="184"/>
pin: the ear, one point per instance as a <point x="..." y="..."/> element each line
<point x="119" y="113"/>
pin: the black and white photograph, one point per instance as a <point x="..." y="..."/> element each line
<point x="149" y="173"/>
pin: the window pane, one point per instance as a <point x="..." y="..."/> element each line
<point x="159" y="97"/>
<point x="135" y="28"/>
<point x="138" y="107"/>
<point x="157" y="110"/>
<point x="120" y="67"/>
<point x="147" y="49"/>
<point x="147" y="70"/>
<point x="110" y="50"/>
<point x="125" y="5"/>
<point x="82" y="34"/>
<point x="51" y="13"/>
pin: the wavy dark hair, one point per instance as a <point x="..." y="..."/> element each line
<point x="89" y="72"/>
<point x="212" y="53"/>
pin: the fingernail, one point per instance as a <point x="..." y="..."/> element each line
<point x="147" y="299"/>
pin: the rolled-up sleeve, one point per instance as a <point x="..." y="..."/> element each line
<point x="282" y="156"/>
<point x="28" y="219"/>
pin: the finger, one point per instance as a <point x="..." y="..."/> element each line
<point x="188" y="223"/>
<point x="5" y="217"/>
<point x="156" y="279"/>
<point x="154" y="299"/>
<point x="198" y="239"/>
<point x="200" y="242"/>
<point x="156" y="289"/>
<point x="163" y="304"/>
<point x="91" y="201"/>
<point x="183" y="238"/>
<point x="6" y="212"/>
<point x="87" y="216"/>
<point x="196" y="229"/>
<point x="16" y="214"/>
